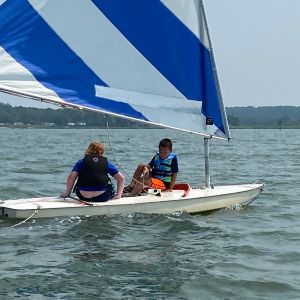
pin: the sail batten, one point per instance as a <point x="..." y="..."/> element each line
<point x="143" y="61"/>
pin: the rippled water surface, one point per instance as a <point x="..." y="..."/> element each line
<point x="253" y="253"/>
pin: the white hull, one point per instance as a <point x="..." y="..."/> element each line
<point x="198" y="200"/>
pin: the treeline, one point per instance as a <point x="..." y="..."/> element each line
<point x="264" y="117"/>
<point x="20" y="115"/>
<point x="239" y="117"/>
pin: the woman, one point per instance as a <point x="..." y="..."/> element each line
<point x="93" y="183"/>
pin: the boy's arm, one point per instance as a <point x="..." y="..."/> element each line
<point x="149" y="168"/>
<point x="173" y="180"/>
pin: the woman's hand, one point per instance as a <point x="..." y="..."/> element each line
<point x="65" y="195"/>
<point x="70" y="182"/>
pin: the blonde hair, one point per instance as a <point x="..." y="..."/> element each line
<point x="95" y="148"/>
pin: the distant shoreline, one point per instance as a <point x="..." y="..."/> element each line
<point x="264" y="117"/>
<point x="132" y="128"/>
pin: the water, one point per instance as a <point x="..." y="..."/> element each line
<point x="251" y="253"/>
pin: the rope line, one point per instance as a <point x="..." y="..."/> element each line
<point x="119" y="165"/>
<point x="33" y="214"/>
<point x="81" y="201"/>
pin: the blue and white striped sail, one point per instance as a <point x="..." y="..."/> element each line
<point x="149" y="61"/>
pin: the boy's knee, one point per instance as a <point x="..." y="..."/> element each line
<point x="148" y="182"/>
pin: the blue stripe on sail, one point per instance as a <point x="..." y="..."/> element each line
<point x="210" y="106"/>
<point x="30" y="41"/>
<point x="169" y="46"/>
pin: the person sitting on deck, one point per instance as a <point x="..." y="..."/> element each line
<point x="93" y="183"/>
<point x="160" y="173"/>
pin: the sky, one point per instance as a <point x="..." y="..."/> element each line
<point x="257" y="51"/>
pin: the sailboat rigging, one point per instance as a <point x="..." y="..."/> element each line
<point x="146" y="61"/>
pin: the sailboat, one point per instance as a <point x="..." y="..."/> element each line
<point x="145" y="61"/>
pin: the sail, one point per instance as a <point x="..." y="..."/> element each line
<point x="149" y="61"/>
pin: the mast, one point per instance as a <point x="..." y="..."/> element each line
<point x="207" y="168"/>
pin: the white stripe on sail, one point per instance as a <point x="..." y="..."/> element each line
<point x="190" y="14"/>
<point x="30" y="88"/>
<point x="119" y="64"/>
<point x="2" y="1"/>
<point x="149" y="100"/>
<point x="174" y="112"/>
<point x="177" y="119"/>
<point x="13" y="76"/>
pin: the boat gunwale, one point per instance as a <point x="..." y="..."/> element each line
<point x="113" y="203"/>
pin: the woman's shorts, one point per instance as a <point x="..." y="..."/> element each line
<point x="101" y="198"/>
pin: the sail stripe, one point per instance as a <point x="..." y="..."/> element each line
<point x="44" y="54"/>
<point x="14" y="75"/>
<point x="162" y="39"/>
<point x="190" y="14"/>
<point x="120" y="64"/>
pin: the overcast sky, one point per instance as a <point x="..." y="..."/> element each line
<point x="257" y="51"/>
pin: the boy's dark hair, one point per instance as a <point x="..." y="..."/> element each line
<point x="165" y="143"/>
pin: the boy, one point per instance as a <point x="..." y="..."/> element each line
<point x="163" y="167"/>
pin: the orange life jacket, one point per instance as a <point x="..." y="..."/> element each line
<point x="158" y="184"/>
